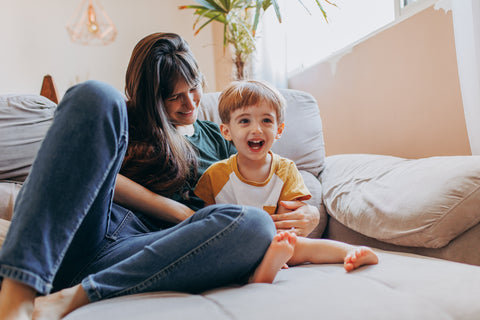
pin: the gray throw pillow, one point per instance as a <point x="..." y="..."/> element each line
<point x="24" y="120"/>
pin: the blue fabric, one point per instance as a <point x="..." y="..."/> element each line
<point x="65" y="229"/>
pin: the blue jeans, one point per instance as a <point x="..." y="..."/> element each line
<point x="66" y="229"/>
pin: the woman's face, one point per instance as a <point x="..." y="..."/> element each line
<point x="182" y="105"/>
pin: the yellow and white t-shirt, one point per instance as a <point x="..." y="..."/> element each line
<point x="223" y="183"/>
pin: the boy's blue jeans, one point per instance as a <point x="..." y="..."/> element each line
<point x="66" y="230"/>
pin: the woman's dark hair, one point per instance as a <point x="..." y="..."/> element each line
<point x="158" y="157"/>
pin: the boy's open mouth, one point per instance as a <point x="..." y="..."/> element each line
<point x="256" y="144"/>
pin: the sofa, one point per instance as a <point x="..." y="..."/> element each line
<point x="421" y="216"/>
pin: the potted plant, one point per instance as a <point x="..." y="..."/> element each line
<point x="240" y="20"/>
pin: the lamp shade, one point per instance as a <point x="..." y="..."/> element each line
<point x="90" y="25"/>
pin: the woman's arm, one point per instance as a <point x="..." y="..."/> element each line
<point x="302" y="217"/>
<point x="135" y="197"/>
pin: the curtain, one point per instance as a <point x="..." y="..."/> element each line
<point x="466" y="23"/>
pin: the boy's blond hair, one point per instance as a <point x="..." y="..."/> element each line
<point x="245" y="93"/>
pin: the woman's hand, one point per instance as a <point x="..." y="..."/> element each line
<point x="135" y="197"/>
<point x="297" y="217"/>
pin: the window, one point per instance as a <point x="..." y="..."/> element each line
<point x="309" y="39"/>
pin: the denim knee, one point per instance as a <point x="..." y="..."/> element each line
<point x="252" y="220"/>
<point x="95" y="105"/>
<point x="259" y="225"/>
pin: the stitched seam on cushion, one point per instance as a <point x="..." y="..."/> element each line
<point x="226" y="312"/>
<point x="396" y="289"/>
<point x="166" y="270"/>
<point x="456" y="205"/>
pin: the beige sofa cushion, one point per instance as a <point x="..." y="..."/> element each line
<point x="4" y="224"/>
<point x="8" y="194"/>
<point x="421" y="203"/>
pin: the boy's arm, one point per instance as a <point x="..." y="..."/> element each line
<point x="136" y="197"/>
<point x="293" y="214"/>
<point x="294" y="188"/>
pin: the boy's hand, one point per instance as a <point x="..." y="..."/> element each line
<point x="296" y="216"/>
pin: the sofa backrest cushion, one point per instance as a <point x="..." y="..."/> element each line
<point x="301" y="141"/>
<point x="24" y="120"/>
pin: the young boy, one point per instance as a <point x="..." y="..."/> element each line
<point x="252" y="117"/>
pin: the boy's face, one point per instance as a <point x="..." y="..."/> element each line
<point x="253" y="130"/>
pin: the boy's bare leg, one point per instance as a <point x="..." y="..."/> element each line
<point x="329" y="251"/>
<point x="278" y="253"/>
<point x="16" y="300"/>
<point x="59" y="304"/>
<point x="359" y="257"/>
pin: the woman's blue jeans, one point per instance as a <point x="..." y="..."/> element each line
<point x="66" y="229"/>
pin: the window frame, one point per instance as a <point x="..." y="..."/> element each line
<point x="410" y="10"/>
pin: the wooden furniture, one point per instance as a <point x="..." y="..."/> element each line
<point x="49" y="90"/>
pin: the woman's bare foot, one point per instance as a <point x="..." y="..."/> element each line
<point x="16" y="300"/>
<point x="59" y="304"/>
<point x="278" y="253"/>
<point x="359" y="257"/>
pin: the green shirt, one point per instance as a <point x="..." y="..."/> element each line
<point x="211" y="147"/>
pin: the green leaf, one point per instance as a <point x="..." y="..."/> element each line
<point x="321" y="9"/>
<point x="256" y="19"/>
<point x="304" y="7"/>
<point x="266" y="4"/>
<point x="226" y="4"/>
<point x="206" y="23"/>
<point x="210" y="4"/>
<point x="277" y="10"/>
<point x="224" y="35"/>
<point x="208" y="14"/>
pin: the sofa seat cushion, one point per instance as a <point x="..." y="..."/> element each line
<point x="420" y="203"/>
<point x="388" y="290"/>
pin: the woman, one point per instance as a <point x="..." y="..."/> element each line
<point x="67" y="234"/>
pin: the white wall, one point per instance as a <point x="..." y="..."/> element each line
<point x="35" y="42"/>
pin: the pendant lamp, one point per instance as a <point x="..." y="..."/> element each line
<point x="90" y="25"/>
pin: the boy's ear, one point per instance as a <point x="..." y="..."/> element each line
<point x="280" y="128"/>
<point x="225" y="130"/>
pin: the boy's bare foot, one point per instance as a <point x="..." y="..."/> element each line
<point x="278" y="253"/>
<point x="59" y="304"/>
<point x="359" y="257"/>
<point x="16" y="300"/>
